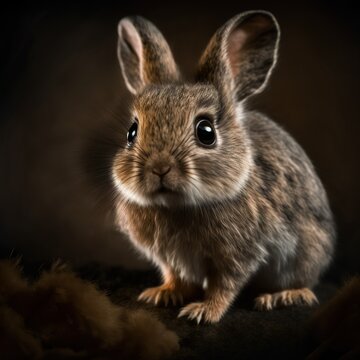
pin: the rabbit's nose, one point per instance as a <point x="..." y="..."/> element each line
<point x="161" y="170"/>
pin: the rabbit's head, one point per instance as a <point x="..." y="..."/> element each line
<point x="187" y="143"/>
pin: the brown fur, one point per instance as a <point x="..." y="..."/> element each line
<point x="158" y="63"/>
<point x="66" y="315"/>
<point x="173" y="290"/>
<point x="247" y="209"/>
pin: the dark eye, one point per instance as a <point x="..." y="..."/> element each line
<point x="131" y="135"/>
<point x="205" y="132"/>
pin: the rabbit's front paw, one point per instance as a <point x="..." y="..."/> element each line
<point x="202" y="311"/>
<point x="163" y="294"/>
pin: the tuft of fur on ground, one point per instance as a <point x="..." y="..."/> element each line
<point x="63" y="316"/>
<point x="335" y="326"/>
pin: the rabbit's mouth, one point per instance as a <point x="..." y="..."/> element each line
<point x="164" y="190"/>
<point x="165" y="196"/>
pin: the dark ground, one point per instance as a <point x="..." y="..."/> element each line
<point x="60" y="82"/>
<point x="243" y="333"/>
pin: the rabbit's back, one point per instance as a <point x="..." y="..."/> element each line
<point x="295" y="213"/>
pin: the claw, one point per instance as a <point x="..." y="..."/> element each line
<point x="157" y="297"/>
<point x="182" y="312"/>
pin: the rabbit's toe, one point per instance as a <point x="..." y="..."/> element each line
<point x="162" y="294"/>
<point x="201" y="312"/>
<point x="283" y="298"/>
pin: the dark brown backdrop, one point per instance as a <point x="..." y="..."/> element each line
<point x="60" y="80"/>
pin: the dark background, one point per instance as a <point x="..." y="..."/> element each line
<point x="60" y="81"/>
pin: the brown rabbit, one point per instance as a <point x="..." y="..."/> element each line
<point x="217" y="196"/>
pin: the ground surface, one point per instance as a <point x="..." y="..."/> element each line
<point x="242" y="334"/>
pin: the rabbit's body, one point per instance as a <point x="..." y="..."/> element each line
<point x="280" y="222"/>
<point x="293" y="209"/>
<point x="217" y="215"/>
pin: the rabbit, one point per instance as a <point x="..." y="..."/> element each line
<point x="216" y="196"/>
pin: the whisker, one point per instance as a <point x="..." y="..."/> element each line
<point x="182" y="142"/>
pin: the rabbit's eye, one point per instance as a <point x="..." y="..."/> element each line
<point x="205" y="132"/>
<point x="131" y="134"/>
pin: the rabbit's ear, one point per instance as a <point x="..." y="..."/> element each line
<point x="144" y="55"/>
<point x="241" y="55"/>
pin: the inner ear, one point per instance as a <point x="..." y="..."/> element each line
<point x="130" y="54"/>
<point x="236" y="41"/>
<point x="251" y="47"/>
<point x="131" y="37"/>
<point x="250" y="35"/>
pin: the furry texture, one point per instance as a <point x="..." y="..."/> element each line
<point x="248" y="209"/>
<point x="61" y="315"/>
